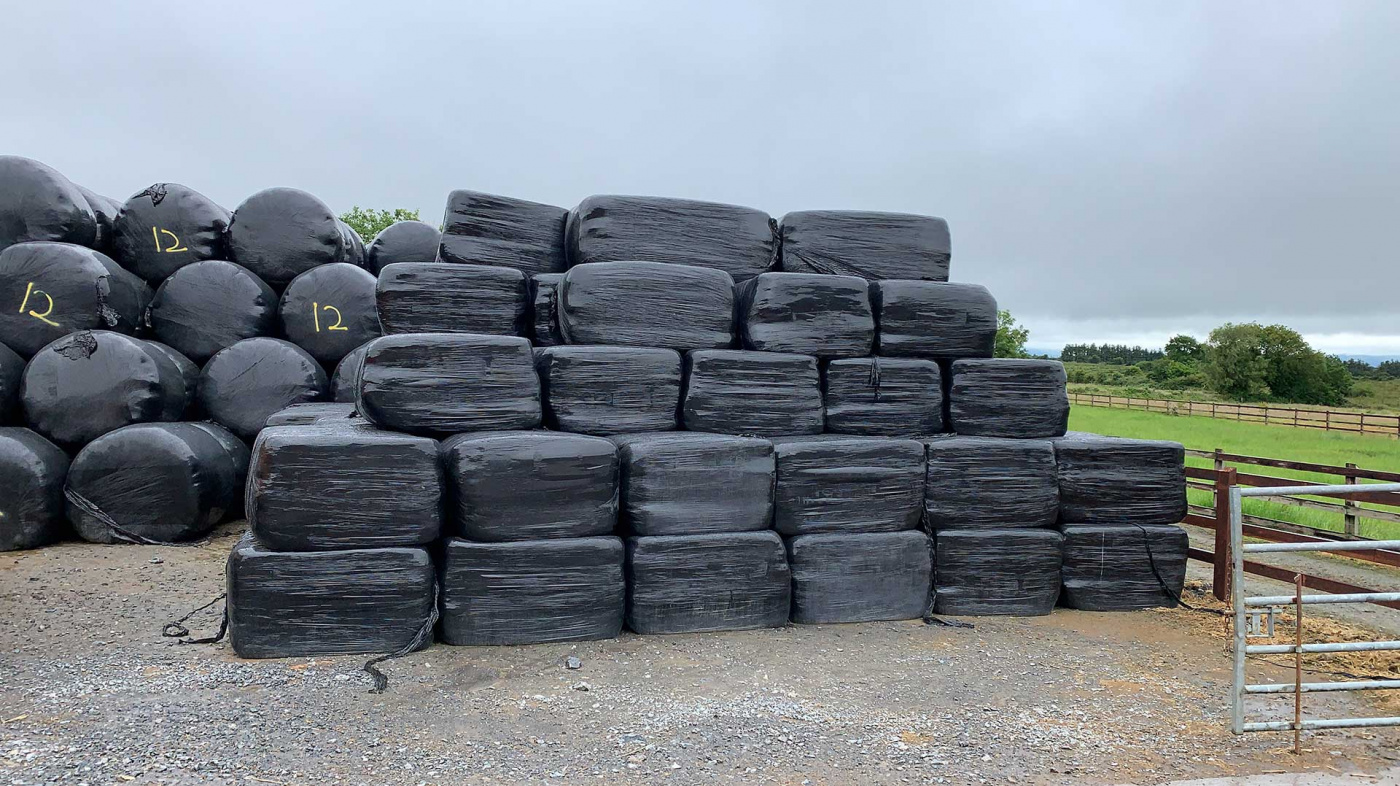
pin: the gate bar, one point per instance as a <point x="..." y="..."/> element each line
<point x="1355" y="597"/>
<point x="1331" y="723"/>
<point x="1344" y="646"/>
<point x="1324" y="687"/>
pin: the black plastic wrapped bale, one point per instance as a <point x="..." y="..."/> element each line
<point x="767" y="394"/>
<point x="866" y="244"/>
<point x="990" y="483"/>
<point x="189" y="373"/>
<point x="443" y="297"/>
<point x="352" y="247"/>
<point x="860" y="578"/>
<point x="1109" y="480"/>
<point x="209" y="306"/>
<point x="323" y="412"/>
<point x="279" y="233"/>
<point x="544" y="314"/>
<point x="32" y="471"/>
<point x="87" y="384"/>
<point x="610" y="390"/>
<point x="1021" y="399"/>
<point x="896" y="397"/>
<point x="11" y="372"/>
<point x="302" y="603"/>
<point x="826" y="316"/>
<point x="105" y="210"/>
<point x="532" y="591"/>
<point x="934" y="320"/>
<point x="38" y="203"/>
<point x="162" y="482"/>
<point x="446" y="383"/>
<point x="485" y="229"/>
<point x="701" y="583"/>
<point x="531" y="485"/>
<point x="53" y="289"/>
<point x="1011" y="572"/>
<point x="740" y="241"/>
<point x="345" y="380"/>
<point x="166" y="227"/>
<point x="835" y="484"/>
<point x="242" y="386"/>
<point x="320" y="487"/>
<point x="646" y="304"/>
<point x="1117" y="567"/>
<point x="402" y="241"/>
<point x="329" y="311"/>
<point x="688" y="484"/>
<point x="240" y="456"/>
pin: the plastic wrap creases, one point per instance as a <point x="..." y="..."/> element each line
<point x="875" y="396"/>
<point x="329" y="311"/>
<point x="699" y="583"/>
<point x="37" y="203"/>
<point x="866" y="244"/>
<point x="323" y="412"/>
<point x="610" y="390"/>
<point x="32" y="472"/>
<point x="279" y="233"/>
<point x="209" y="306"/>
<point x="1012" y="572"/>
<point x="1120" y="567"/>
<point x="242" y="386"/>
<point x="58" y="288"/>
<point x="826" y="316"/>
<point x="646" y="304"/>
<point x="442" y="297"/>
<point x="837" y="484"/>
<point x="12" y="371"/>
<point x="485" y="229"/>
<point x="934" y="320"/>
<point x="768" y="394"/>
<point x="1020" y="399"/>
<point x="167" y="226"/>
<point x="544" y="311"/>
<point x="860" y="577"/>
<point x="685" y="483"/>
<point x="990" y="483"/>
<point x="402" y="241"/>
<point x="1109" y="480"/>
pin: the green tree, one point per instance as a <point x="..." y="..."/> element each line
<point x="1185" y="349"/>
<point x="1255" y="362"/>
<point x="1360" y="369"/>
<point x="1235" y="364"/>
<point x="1388" y="369"/>
<point x="1011" y="338"/>
<point x="368" y="222"/>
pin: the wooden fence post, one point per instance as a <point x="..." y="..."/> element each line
<point x="1351" y="526"/>
<point x="1224" y="479"/>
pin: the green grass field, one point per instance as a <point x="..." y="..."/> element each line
<point x="1252" y="439"/>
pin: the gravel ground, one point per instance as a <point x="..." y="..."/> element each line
<point x="91" y="694"/>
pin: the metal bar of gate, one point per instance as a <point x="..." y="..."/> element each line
<point x="1242" y="604"/>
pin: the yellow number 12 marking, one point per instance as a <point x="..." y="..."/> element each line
<point x="316" y="308"/>
<point x="41" y="317"/>
<point x="174" y="241"/>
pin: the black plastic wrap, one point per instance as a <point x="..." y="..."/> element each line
<point x="59" y="288"/>
<point x="38" y="203"/>
<point x="322" y="486"/>
<point x="1011" y="572"/>
<point x="32" y="471"/>
<point x="826" y="316"/>
<point x="767" y="394"/>
<point x="1021" y="399"/>
<point x="445" y="383"/>
<point x="11" y="372"/>
<point x="352" y="251"/>
<point x="646" y="304"/>
<point x="345" y="380"/>
<point x="1117" y="567"/>
<point x="329" y="311"/>
<point x="836" y="484"/>
<point x="105" y="210"/>
<point x="323" y="412"/>
<point x="702" y="583"/>
<point x="532" y="591"/>
<point x="531" y="485"/>
<point x="303" y="603"/>
<point x="934" y="320"/>
<point x="990" y="483"/>
<point x="87" y="384"/>
<point x="402" y="241"/>
<point x="860" y="578"/>
<point x="485" y="229"/>
<point x="683" y="483"/>
<point x="544" y="313"/>
<point x="740" y="241"/>
<point x="610" y="390"/>
<point x="896" y="397"/>
<point x="245" y="384"/>
<point x="166" y="227"/>
<point x="279" y="233"/>
<point x="443" y="297"/>
<point x="209" y="306"/>
<point x="159" y="481"/>
<point x="866" y="244"/>
<point x="1109" y="480"/>
<point x="189" y="374"/>
<point x="240" y="456"/>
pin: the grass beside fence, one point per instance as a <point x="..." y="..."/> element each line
<point x="1254" y="439"/>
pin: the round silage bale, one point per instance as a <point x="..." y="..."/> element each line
<point x="330" y="310"/>
<point x="347" y="372"/>
<point x="209" y="306"/>
<point x="11" y="371"/>
<point x="39" y="203"/>
<point x="353" y="251"/>
<point x="166" y="227"/>
<point x="105" y="210"/>
<point x="242" y="386"/>
<point x="32" y="471"/>
<point x="279" y="233"/>
<point x="403" y="241"/>
<point x="49" y="290"/>
<point x="189" y="373"/>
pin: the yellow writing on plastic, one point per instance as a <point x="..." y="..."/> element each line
<point x="174" y="246"/>
<point x="31" y="291"/>
<point x="317" y="308"/>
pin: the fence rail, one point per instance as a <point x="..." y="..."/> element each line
<point x="1322" y="419"/>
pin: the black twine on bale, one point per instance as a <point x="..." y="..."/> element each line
<point x="381" y="682"/>
<point x="177" y="630"/>
<point x="118" y="531"/>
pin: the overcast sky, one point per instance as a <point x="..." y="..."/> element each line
<point x="1112" y="171"/>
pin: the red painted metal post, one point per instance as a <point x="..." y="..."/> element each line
<point x="1220" y="581"/>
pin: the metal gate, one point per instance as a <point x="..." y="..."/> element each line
<point x="1254" y="618"/>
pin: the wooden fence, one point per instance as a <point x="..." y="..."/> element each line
<point x="1324" y="419"/>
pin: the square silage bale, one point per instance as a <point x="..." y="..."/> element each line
<point x="985" y="572"/>
<point x="1110" y="480"/>
<point x="530" y="485"/>
<point x="931" y="319"/>
<point x="1121" y="567"/>
<point x="990" y="483"/>
<point x="544" y="312"/>
<point x="610" y="390"/>
<point x="1014" y="398"/>
<point x="646" y="304"/>
<point x="806" y="314"/>
<point x="828" y="483"/>
<point x="767" y="394"/>
<point x="532" y="591"/>
<point x="486" y="229"/>
<point x="862" y="577"/>
<point x="872" y="245"/>
<point x="684" y="483"/>
<point x="442" y="297"/>
<point x="315" y="412"/>
<point x="701" y="583"/>
<point x="875" y="396"/>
